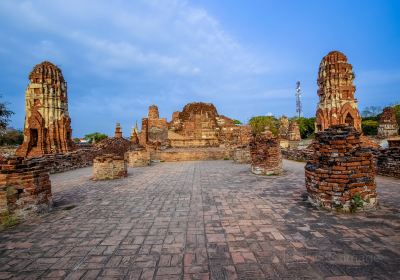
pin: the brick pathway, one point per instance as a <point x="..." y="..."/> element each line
<point x="201" y="220"/>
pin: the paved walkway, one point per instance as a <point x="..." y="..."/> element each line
<point x="201" y="220"/>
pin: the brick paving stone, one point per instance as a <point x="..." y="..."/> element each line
<point x="201" y="220"/>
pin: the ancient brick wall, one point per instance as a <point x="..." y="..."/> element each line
<point x="337" y="104"/>
<point x="388" y="124"/>
<point x="137" y="158"/>
<point x="341" y="174"/>
<point x="298" y="154"/>
<point x="109" y="167"/>
<point x="266" y="157"/>
<point x="241" y="155"/>
<point x="388" y="162"/>
<point x="47" y="127"/>
<point x="25" y="187"/>
<point x="190" y="154"/>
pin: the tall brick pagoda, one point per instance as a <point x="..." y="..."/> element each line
<point x="337" y="104"/>
<point x="47" y="127"/>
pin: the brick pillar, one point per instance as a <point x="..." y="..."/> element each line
<point x="266" y="157"/>
<point x="341" y="174"/>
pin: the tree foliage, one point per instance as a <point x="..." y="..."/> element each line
<point x="397" y="110"/>
<point x="370" y="127"/>
<point x="237" y="122"/>
<point x="259" y="123"/>
<point x="11" y="137"/>
<point x="306" y="126"/>
<point x="5" y="115"/>
<point x="95" y="137"/>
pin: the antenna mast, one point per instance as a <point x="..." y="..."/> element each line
<point x="298" y="101"/>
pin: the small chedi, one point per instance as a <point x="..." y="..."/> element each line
<point x="47" y="128"/>
<point x="341" y="174"/>
<point x="116" y="145"/>
<point x="109" y="167"/>
<point x="294" y="131"/>
<point x="388" y="124"/>
<point x="154" y="129"/>
<point x="337" y="104"/>
<point x="118" y="131"/>
<point x="135" y="135"/>
<point x="25" y="187"/>
<point x="266" y="157"/>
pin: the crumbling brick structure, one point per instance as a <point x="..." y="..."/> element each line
<point x="113" y="145"/>
<point x="154" y="128"/>
<point x="388" y="124"/>
<point x="341" y="174"/>
<point x="337" y="104"/>
<point x="241" y="155"/>
<point x="138" y="157"/>
<point x="47" y="127"/>
<point x="109" y="167"/>
<point x="135" y="135"/>
<point x="25" y="187"/>
<point x="283" y="127"/>
<point x="294" y="131"/>
<point x="118" y="131"/>
<point x="266" y="157"/>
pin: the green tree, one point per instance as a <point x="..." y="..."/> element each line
<point x="237" y="122"/>
<point x="259" y="123"/>
<point x="95" y="137"/>
<point x="12" y="136"/>
<point x="397" y="110"/>
<point x="369" y="127"/>
<point x="5" y="115"/>
<point x="306" y="126"/>
<point x="76" y="140"/>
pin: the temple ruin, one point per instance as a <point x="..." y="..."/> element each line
<point x="109" y="167"/>
<point x="337" y="104"/>
<point x="341" y="174"/>
<point x="294" y="131"/>
<point x="266" y="157"/>
<point x="47" y="128"/>
<point x="388" y="124"/>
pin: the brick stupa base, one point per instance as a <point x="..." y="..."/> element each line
<point x="266" y="156"/>
<point x="137" y="158"/>
<point x="25" y="187"/>
<point x="341" y="174"/>
<point x="109" y="167"/>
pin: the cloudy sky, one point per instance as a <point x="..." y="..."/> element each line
<point x="119" y="57"/>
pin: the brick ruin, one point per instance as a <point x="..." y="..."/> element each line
<point x="341" y="175"/>
<point x="118" y="131"/>
<point x="388" y="124"/>
<point x="109" y="167"/>
<point x="266" y="157"/>
<point x="294" y="131"/>
<point x="47" y="127"/>
<point x="24" y="187"/>
<point x="337" y="104"/>
<point x="241" y="155"/>
<point x="154" y="129"/>
<point x="198" y="126"/>
<point x="137" y="158"/>
<point x="134" y="138"/>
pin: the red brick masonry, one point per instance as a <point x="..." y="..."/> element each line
<point x="341" y="172"/>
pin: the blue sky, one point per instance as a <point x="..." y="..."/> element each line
<point x="243" y="56"/>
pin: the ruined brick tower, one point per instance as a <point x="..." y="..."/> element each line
<point x="47" y="127"/>
<point x="387" y="123"/>
<point x="337" y="104"/>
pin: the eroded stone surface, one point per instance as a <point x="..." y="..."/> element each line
<point x="200" y="220"/>
<point x="109" y="167"/>
<point x="337" y="104"/>
<point x="266" y="156"/>
<point x="47" y="127"/>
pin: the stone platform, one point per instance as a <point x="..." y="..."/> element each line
<point x="201" y="220"/>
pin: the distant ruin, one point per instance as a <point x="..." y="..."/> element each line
<point x="388" y="125"/>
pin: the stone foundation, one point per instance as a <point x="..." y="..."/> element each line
<point x="25" y="187"/>
<point x="242" y="155"/>
<point x="109" y="167"/>
<point x="138" y="158"/>
<point x="266" y="157"/>
<point x="341" y="174"/>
